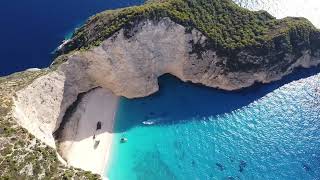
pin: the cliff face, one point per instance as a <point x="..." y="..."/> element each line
<point x="40" y="106"/>
<point x="130" y="61"/>
<point x="215" y="43"/>
<point x="22" y="154"/>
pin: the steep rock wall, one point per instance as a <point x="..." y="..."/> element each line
<point x="40" y="106"/>
<point x="130" y="61"/>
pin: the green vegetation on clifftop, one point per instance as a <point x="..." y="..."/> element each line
<point x="227" y="25"/>
<point x="22" y="156"/>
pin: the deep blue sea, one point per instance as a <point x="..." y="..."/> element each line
<point x="32" y="29"/>
<point x="191" y="132"/>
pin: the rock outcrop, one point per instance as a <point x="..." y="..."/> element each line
<point x="23" y="155"/>
<point x="130" y="66"/>
<point x="40" y="106"/>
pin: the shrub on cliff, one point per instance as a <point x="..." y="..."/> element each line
<point x="227" y="25"/>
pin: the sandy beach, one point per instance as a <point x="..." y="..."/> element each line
<point x="87" y="137"/>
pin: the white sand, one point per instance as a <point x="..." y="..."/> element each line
<point x="78" y="146"/>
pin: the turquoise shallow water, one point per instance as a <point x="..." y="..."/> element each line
<point x="187" y="131"/>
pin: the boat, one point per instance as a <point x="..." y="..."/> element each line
<point x="123" y="140"/>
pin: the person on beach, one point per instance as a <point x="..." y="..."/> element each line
<point x="99" y="125"/>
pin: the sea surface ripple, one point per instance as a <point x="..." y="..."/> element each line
<point x="193" y="132"/>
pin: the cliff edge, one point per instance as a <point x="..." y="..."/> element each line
<point x="215" y="43"/>
<point x="212" y="42"/>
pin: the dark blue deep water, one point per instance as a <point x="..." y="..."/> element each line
<point x="31" y="29"/>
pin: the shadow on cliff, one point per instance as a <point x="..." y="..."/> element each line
<point x="85" y="109"/>
<point x="178" y="102"/>
<point x="88" y="116"/>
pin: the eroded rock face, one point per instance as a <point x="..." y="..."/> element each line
<point x="130" y="62"/>
<point x="130" y="66"/>
<point x="40" y="106"/>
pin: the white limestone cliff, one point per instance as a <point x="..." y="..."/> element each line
<point x="40" y="106"/>
<point x="130" y="67"/>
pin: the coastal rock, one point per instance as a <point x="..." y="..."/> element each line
<point x="40" y="106"/>
<point x="130" y="66"/>
<point x="23" y="155"/>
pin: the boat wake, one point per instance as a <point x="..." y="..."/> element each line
<point x="152" y="121"/>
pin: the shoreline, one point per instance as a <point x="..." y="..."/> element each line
<point x="88" y="136"/>
<point x="107" y="157"/>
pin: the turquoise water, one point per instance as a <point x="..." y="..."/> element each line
<point x="188" y="131"/>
